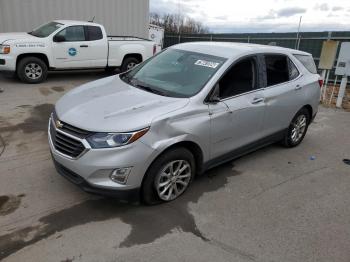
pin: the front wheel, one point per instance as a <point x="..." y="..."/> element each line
<point x="297" y="129"/>
<point x="169" y="176"/>
<point x="32" y="70"/>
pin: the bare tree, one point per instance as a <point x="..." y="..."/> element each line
<point x="175" y="23"/>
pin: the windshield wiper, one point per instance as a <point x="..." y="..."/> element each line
<point x="135" y="82"/>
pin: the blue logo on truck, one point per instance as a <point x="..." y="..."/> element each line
<point x="72" y="51"/>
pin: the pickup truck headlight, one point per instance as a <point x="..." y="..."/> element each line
<point x="108" y="140"/>
<point x="5" y="49"/>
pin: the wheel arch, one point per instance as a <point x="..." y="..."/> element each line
<point x="37" y="55"/>
<point x="309" y="109"/>
<point x="193" y="147"/>
<point x="138" y="56"/>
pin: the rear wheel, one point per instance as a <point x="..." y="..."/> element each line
<point x="169" y="176"/>
<point x="32" y="70"/>
<point x="297" y="129"/>
<point x="129" y="63"/>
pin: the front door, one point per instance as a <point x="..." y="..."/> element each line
<point x="236" y="120"/>
<point x="73" y="52"/>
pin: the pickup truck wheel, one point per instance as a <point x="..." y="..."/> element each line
<point x="168" y="177"/>
<point x="129" y="63"/>
<point x="32" y="70"/>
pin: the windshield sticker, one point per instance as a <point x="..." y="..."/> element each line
<point x="206" y="63"/>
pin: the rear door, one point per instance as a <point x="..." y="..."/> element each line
<point x="283" y="92"/>
<point x="97" y="46"/>
<point x="236" y="120"/>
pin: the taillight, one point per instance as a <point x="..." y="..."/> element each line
<point x="320" y="82"/>
<point x="154" y="49"/>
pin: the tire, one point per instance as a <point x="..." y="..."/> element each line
<point x="32" y="70"/>
<point x="151" y="189"/>
<point x="129" y="63"/>
<point x="295" y="134"/>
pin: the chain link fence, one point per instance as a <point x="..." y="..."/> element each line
<point x="309" y="42"/>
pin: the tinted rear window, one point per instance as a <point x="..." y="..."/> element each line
<point x="94" y="33"/>
<point x="308" y="62"/>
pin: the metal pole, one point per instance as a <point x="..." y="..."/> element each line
<point x="341" y="92"/>
<point x="334" y="85"/>
<point x="322" y="87"/>
<point x="325" y="85"/>
<point x="248" y="39"/>
<point x="179" y="38"/>
<point x="297" y="41"/>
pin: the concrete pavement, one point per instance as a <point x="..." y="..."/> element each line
<point x="271" y="205"/>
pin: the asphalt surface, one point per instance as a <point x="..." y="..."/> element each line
<point x="275" y="204"/>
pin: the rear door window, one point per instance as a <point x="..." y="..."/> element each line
<point x="93" y="33"/>
<point x="308" y="62"/>
<point x="277" y="69"/>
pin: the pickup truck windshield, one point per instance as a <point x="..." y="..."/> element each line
<point x="175" y="73"/>
<point x="46" y="30"/>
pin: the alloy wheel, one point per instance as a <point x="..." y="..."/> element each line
<point x="33" y="71"/>
<point x="298" y="128"/>
<point x="173" y="179"/>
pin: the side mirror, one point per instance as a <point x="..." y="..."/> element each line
<point x="215" y="95"/>
<point x="59" y="38"/>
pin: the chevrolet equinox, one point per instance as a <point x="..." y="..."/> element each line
<point x="149" y="131"/>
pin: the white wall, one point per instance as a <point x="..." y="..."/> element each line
<point x="120" y="17"/>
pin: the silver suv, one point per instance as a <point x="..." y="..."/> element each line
<point x="148" y="132"/>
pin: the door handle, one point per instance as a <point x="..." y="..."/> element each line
<point x="257" y="100"/>
<point x="84" y="46"/>
<point x="298" y="87"/>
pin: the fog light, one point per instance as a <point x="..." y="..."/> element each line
<point x="120" y="175"/>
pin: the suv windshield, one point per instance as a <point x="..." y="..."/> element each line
<point x="46" y="30"/>
<point x="175" y="73"/>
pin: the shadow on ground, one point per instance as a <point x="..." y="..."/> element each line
<point x="147" y="222"/>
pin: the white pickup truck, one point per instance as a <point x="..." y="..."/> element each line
<point x="69" y="45"/>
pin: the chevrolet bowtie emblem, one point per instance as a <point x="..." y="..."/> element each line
<point x="58" y="124"/>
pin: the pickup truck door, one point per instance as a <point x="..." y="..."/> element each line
<point x="74" y="50"/>
<point x="97" y="46"/>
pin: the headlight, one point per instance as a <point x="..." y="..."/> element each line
<point x="5" y="49"/>
<point x="107" y="140"/>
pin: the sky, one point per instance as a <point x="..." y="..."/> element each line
<point x="247" y="16"/>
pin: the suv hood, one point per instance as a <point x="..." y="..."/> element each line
<point x="111" y="105"/>
<point x="15" y="36"/>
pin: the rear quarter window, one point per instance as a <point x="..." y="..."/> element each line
<point x="94" y="33"/>
<point x="308" y="62"/>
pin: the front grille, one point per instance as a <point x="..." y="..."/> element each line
<point x="75" y="131"/>
<point x="65" y="144"/>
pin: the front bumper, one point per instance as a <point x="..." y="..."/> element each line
<point x="7" y="64"/>
<point x="91" y="170"/>
<point x="132" y="195"/>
